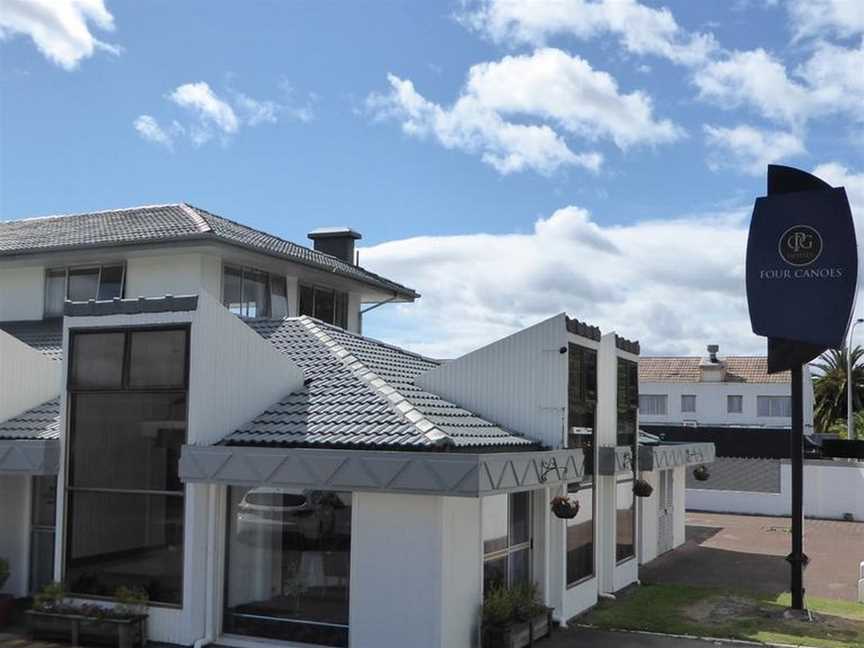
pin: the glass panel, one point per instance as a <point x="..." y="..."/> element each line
<point x="580" y="538"/>
<point x="307" y="301"/>
<point x="341" y="314"/>
<point x="494" y="573"/>
<point x="55" y="292"/>
<point x="157" y="358"/>
<point x="232" y="289"/>
<point x="278" y="297"/>
<point x="324" y="305"/>
<point x="127" y="440"/>
<point x="494" y="523"/>
<point x="734" y="404"/>
<point x="628" y="401"/>
<point x="256" y="294"/>
<point x="121" y="539"/>
<point x="520" y="520"/>
<point x="44" y="501"/>
<point x="688" y="403"/>
<point x="97" y="360"/>
<point x="83" y="284"/>
<point x="520" y="567"/>
<point x="625" y="521"/>
<point x="288" y="565"/>
<point x="41" y="558"/>
<point x="111" y="282"/>
<point x="581" y="402"/>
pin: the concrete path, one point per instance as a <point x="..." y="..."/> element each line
<point x="749" y="552"/>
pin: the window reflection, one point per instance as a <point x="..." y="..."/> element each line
<point x="625" y="521"/>
<point x="580" y="538"/>
<point x="288" y="565"/>
<point x="506" y="531"/>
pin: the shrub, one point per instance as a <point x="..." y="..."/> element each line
<point x="498" y="607"/>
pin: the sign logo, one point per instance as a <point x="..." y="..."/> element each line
<point x="800" y="245"/>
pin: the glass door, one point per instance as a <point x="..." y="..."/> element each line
<point x="42" y="520"/>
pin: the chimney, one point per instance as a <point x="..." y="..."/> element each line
<point x="336" y="241"/>
<point x="712" y="368"/>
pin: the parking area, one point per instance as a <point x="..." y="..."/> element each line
<point x="743" y="551"/>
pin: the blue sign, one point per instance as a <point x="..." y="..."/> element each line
<point x="802" y="267"/>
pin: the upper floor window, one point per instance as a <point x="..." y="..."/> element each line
<point x="252" y="293"/>
<point x="82" y="284"/>
<point x="327" y="305"/>
<point x="779" y="406"/>
<point x="734" y="404"/>
<point x="628" y="401"/>
<point x="582" y="401"/>
<point x="688" y="403"/>
<point x="653" y="405"/>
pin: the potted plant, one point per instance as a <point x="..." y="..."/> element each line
<point x="642" y="488"/>
<point x="564" y="507"/>
<point x="124" y="624"/>
<point x="7" y="601"/>
<point x="514" y="617"/>
<point x="700" y="473"/>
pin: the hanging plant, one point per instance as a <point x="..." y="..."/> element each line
<point x="642" y="488"/>
<point x="700" y="473"/>
<point x="564" y="507"/>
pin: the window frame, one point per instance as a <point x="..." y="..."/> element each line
<point x="242" y="269"/>
<point x="585" y="395"/>
<point x="664" y="398"/>
<point x="69" y="490"/>
<point x="66" y="270"/>
<point x="688" y="396"/>
<point x="769" y="399"/>
<point x="511" y="548"/>
<point x="314" y="287"/>
<point x="593" y="573"/>
<point x="740" y="400"/>
<point x="631" y="480"/>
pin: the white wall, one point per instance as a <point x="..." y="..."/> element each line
<point x="179" y="273"/>
<point x="27" y="377"/>
<point x="15" y="531"/>
<point x="831" y="489"/>
<point x="355" y="324"/>
<point x="21" y="293"/>
<point x="649" y="516"/>
<point x="519" y="381"/>
<point x="406" y="589"/>
<point x="679" y="508"/>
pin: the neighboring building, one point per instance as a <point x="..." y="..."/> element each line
<point x="206" y="422"/>
<point x="717" y="391"/>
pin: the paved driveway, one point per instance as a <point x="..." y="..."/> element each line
<point x="749" y="551"/>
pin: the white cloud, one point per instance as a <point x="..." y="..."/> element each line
<point x="750" y="149"/>
<point x="676" y="285"/>
<point x="210" y="108"/>
<point x="257" y="112"/>
<point x="150" y="130"/>
<point x="838" y="175"/>
<point x="641" y="29"/>
<point x="546" y="86"/>
<point x="842" y="18"/>
<point x="59" y="28"/>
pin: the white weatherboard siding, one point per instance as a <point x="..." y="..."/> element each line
<point x="15" y="531"/>
<point x="831" y="490"/>
<point x="179" y="273"/>
<point x="27" y="377"/>
<point x="405" y="588"/>
<point x="21" y="293"/>
<point x="519" y="382"/>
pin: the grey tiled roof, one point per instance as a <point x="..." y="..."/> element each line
<point x="361" y="393"/>
<point x="41" y="422"/>
<point x="160" y="223"/>
<point x="43" y="335"/>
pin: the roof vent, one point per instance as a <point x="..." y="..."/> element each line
<point x="712" y="352"/>
<point x="336" y="241"/>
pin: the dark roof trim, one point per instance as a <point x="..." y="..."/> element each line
<point x="581" y="328"/>
<point x="627" y="345"/>
<point x="117" y="306"/>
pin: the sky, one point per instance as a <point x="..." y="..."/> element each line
<point x="508" y="160"/>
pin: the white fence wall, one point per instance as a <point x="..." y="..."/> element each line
<point x="831" y="490"/>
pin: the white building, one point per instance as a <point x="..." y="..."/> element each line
<point x="278" y="476"/>
<point x="717" y="391"/>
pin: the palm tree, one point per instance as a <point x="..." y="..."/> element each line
<point x="829" y="387"/>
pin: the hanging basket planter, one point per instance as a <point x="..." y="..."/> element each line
<point x="642" y="488"/>
<point x="700" y="473"/>
<point x="564" y="508"/>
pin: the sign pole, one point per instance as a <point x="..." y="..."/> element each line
<point x="797" y="559"/>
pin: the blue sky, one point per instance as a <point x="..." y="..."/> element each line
<point x="509" y="160"/>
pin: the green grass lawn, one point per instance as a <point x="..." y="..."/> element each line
<point x="711" y="612"/>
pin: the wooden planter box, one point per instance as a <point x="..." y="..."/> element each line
<point x="519" y="635"/>
<point x="123" y="633"/>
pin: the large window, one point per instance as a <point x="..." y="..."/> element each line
<point x="288" y="564"/>
<point x="81" y="284"/>
<point x="327" y="305"/>
<point x="506" y="539"/>
<point x="625" y="520"/>
<point x="628" y="402"/>
<point x="124" y="519"/>
<point x="582" y="402"/>
<point x="774" y="406"/>
<point x="253" y="293"/>
<point x="653" y="405"/>
<point x="42" y="513"/>
<point x="580" y="538"/>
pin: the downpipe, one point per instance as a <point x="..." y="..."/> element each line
<point x="209" y="635"/>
